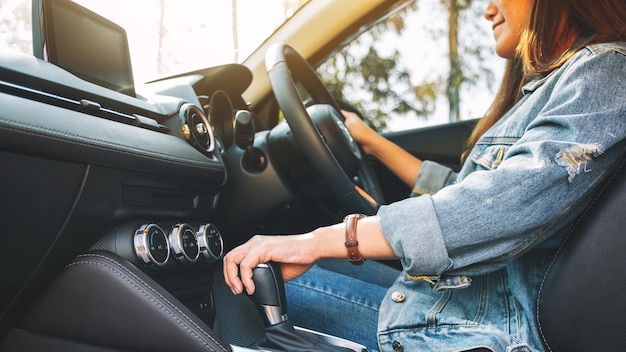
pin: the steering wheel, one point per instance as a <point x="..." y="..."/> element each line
<point x="321" y="131"/>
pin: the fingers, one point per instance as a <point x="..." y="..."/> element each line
<point x="351" y="119"/>
<point x="359" y="130"/>
<point x="349" y="114"/>
<point x="291" y="251"/>
<point x="245" y="273"/>
<point x="237" y="277"/>
<point x="231" y="274"/>
<point x="238" y="265"/>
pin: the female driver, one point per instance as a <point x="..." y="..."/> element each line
<point x="475" y="246"/>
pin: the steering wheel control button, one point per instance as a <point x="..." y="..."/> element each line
<point x="152" y="245"/>
<point x="184" y="243"/>
<point x="210" y="242"/>
<point x="398" y="297"/>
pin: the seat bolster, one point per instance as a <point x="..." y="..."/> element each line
<point x="102" y="299"/>
<point x="581" y="305"/>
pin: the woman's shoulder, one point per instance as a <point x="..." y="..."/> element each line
<point x="592" y="61"/>
<point x="602" y="59"/>
<point x="595" y="49"/>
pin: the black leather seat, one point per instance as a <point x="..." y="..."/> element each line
<point x="582" y="304"/>
<point x="103" y="303"/>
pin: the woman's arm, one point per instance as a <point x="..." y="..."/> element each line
<point x="528" y="176"/>
<point x="297" y="253"/>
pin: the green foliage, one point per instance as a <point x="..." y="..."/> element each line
<point x="377" y="84"/>
<point x="388" y="84"/>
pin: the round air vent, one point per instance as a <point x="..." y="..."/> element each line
<point x="196" y="128"/>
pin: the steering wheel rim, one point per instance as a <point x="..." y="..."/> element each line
<point x="283" y="63"/>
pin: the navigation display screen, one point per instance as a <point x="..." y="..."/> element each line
<point x="87" y="45"/>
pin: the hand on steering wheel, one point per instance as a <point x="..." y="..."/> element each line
<point x="321" y="131"/>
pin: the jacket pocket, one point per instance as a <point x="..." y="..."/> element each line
<point x="491" y="151"/>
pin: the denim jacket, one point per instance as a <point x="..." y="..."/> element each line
<point x="493" y="227"/>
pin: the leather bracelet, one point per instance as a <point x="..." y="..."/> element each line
<point x="354" y="256"/>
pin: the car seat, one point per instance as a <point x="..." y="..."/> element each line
<point x="582" y="302"/>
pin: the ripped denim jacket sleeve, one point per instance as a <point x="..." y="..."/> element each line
<point x="526" y="178"/>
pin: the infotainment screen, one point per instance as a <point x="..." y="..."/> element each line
<point x="87" y="45"/>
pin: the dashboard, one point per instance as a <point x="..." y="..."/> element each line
<point x="169" y="174"/>
<point x="136" y="172"/>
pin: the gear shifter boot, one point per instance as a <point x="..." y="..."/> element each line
<point x="285" y="337"/>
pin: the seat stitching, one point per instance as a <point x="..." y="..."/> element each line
<point x="161" y="305"/>
<point x="567" y="237"/>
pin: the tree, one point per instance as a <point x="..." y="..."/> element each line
<point x="362" y="68"/>
<point x="388" y="83"/>
<point x="464" y="71"/>
<point x="19" y="40"/>
<point x="455" y="77"/>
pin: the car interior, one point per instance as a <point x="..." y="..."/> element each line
<point x="119" y="200"/>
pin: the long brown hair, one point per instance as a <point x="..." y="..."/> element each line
<point x="547" y="43"/>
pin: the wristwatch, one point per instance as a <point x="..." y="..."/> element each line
<point x="354" y="256"/>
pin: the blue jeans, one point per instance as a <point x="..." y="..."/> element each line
<point x="341" y="299"/>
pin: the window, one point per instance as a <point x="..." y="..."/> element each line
<point x="398" y="72"/>
<point x="15" y="25"/>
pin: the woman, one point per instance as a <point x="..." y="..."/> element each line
<point x="475" y="246"/>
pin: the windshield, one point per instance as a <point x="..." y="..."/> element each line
<point x="170" y="36"/>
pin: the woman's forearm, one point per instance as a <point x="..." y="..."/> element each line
<point x="397" y="160"/>
<point x="372" y="243"/>
<point x="296" y="253"/>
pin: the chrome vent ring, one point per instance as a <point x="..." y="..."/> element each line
<point x="196" y="128"/>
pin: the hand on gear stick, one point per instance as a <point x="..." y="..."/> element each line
<point x="269" y="297"/>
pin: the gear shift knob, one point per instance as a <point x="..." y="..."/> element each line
<point x="281" y="335"/>
<point x="269" y="295"/>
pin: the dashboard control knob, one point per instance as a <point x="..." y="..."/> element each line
<point x="184" y="243"/>
<point x="152" y="245"/>
<point x="210" y="242"/>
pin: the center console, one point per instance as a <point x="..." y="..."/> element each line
<point x="184" y="257"/>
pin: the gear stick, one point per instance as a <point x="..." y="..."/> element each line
<point x="269" y="295"/>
